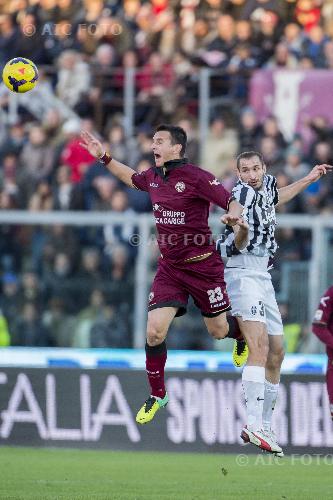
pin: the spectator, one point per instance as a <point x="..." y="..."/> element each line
<point x="248" y="131"/>
<point x="119" y="233"/>
<point x="221" y="146"/>
<point x="73" y="155"/>
<point x="293" y="38"/>
<point x="109" y="330"/>
<point x="63" y="193"/>
<point x="307" y="13"/>
<point x="282" y="58"/>
<point x="36" y="160"/>
<point x="294" y="168"/>
<point x="314" y="46"/>
<point x="9" y="299"/>
<point x="270" y="128"/>
<point x="73" y="78"/>
<point x="59" y="324"/>
<point x="220" y="49"/>
<point x="42" y="199"/>
<point x="86" y="319"/>
<point x="8" y="37"/>
<point x="272" y="154"/>
<point x="28" y="329"/>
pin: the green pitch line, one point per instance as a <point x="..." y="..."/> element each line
<point x="56" y="474"/>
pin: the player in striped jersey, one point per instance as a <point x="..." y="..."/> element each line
<point x="251" y="292"/>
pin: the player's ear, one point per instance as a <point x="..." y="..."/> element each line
<point x="177" y="149"/>
<point x="264" y="167"/>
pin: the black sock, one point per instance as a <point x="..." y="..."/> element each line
<point x="156" y="349"/>
<point x="234" y="330"/>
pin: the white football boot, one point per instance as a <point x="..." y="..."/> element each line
<point x="265" y="440"/>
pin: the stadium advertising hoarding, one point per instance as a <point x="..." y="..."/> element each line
<point x="96" y="409"/>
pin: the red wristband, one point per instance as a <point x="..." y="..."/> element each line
<point x="105" y="158"/>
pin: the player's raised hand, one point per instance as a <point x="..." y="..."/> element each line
<point x="242" y="224"/>
<point x="91" y="144"/>
<point x="318" y="171"/>
<point x="229" y="220"/>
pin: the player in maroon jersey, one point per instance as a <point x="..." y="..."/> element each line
<point x="189" y="263"/>
<point x="322" y="326"/>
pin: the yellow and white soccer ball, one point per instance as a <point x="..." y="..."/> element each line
<point x="20" y="75"/>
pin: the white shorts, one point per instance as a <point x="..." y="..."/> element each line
<point x="252" y="297"/>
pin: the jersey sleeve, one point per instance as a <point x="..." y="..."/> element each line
<point x="140" y="181"/>
<point x="272" y="185"/>
<point x="210" y="188"/>
<point x="325" y="309"/>
<point x="244" y="194"/>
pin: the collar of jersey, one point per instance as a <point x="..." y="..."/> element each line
<point x="170" y="165"/>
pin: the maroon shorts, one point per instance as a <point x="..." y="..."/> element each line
<point x="203" y="280"/>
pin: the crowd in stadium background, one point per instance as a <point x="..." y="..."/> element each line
<point x="81" y="49"/>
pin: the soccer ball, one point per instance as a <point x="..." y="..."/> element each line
<point x="20" y="75"/>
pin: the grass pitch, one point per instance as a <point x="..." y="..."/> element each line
<point x="45" y="474"/>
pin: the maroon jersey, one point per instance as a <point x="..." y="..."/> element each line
<point x="324" y="313"/>
<point x="322" y="324"/>
<point x="180" y="199"/>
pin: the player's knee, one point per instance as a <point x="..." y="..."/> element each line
<point x="218" y="331"/>
<point x="155" y="334"/>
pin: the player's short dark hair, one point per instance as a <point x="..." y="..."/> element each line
<point x="249" y="154"/>
<point x="178" y="135"/>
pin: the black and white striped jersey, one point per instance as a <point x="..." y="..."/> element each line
<point x="259" y="212"/>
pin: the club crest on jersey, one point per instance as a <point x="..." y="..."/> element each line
<point x="180" y="187"/>
<point x="215" y="182"/>
<point x="151" y="296"/>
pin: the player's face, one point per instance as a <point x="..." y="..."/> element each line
<point x="163" y="149"/>
<point x="252" y="171"/>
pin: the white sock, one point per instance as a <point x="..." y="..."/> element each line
<point x="253" y="380"/>
<point x="271" y="393"/>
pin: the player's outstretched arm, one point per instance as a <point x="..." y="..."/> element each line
<point x="234" y="213"/>
<point x="95" y="148"/>
<point x="241" y="230"/>
<point x="287" y="193"/>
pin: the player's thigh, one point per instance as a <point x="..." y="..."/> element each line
<point x="167" y="291"/>
<point x="246" y="294"/>
<point x="217" y="326"/>
<point x="159" y="321"/>
<point x="204" y="281"/>
<point x="255" y="334"/>
<point x="273" y="315"/>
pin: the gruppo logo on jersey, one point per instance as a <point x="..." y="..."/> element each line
<point x="168" y="216"/>
<point x="215" y="182"/>
<point x="180" y="187"/>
